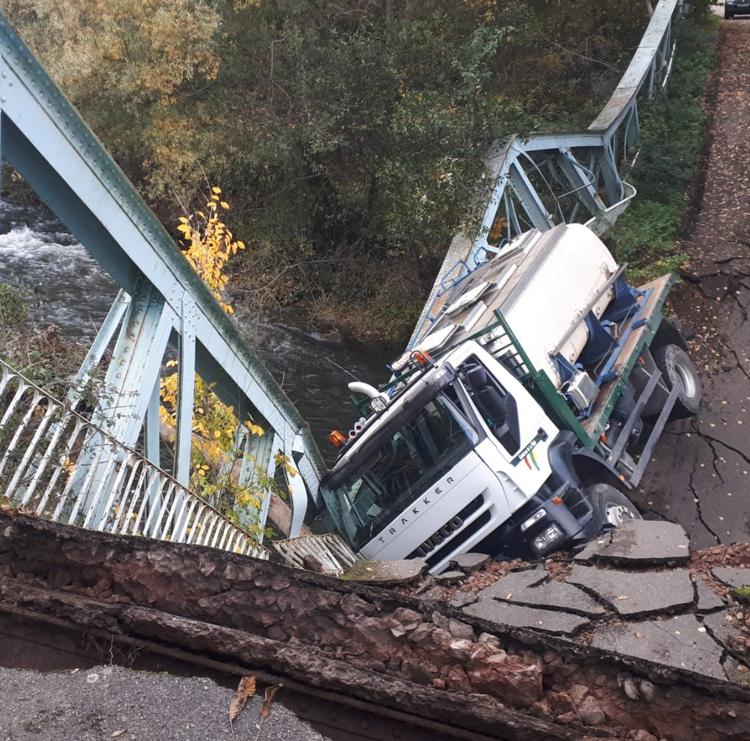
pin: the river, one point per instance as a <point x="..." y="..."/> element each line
<point x="63" y="285"/>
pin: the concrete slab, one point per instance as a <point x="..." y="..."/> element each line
<point x="675" y="641"/>
<point x="468" y="562"/>
<point x="732" y="577"/>
<point x="522" y="588"/>
<point x="639" y="543"/>
<point x="549" y="621"/>
<point x="386" y="573"/>
<point x="637" y="593"/>
<point x="707" y="600"/>
<point x="449" y="577"/>
<point x="515" y="581"/>
<point x="720" y="626"/>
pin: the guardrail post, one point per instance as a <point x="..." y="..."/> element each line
<point x="186" y="393"/>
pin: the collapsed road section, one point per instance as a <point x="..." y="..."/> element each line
<point x="428" y="663"/>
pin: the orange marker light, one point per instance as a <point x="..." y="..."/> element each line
<point x="420" y="357"/>
<point x="336" y="438"/>
<point x="556" y="500"/>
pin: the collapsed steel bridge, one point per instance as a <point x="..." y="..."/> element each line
<point x="102" y="465"/>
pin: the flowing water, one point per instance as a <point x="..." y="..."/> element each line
<point x="63" y="285"/>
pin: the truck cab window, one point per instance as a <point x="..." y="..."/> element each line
<point x="406" y="462"/>
<point x="495" y="405"/>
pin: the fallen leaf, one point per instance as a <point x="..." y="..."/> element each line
<point x="117" y="734"/>
<point x="270" y="692"/>
<point x="622" y="597"/>
<point x="245" y="689"/>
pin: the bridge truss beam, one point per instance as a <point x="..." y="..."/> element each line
<point x="550" y="179"/>
<point x="163" y="309"/>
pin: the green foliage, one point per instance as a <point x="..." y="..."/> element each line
<point x="12" y="307"/>
<point x="673" y="124"/>
<point x="346" y="133"/>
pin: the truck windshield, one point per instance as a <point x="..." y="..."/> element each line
<point x="401" y="468"/>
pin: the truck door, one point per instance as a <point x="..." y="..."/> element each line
<point x="521" y="430"/>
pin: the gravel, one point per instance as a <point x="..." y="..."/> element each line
<point x="110" y="702"/>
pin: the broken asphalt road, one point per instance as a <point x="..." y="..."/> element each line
<point x="700" y="473"/>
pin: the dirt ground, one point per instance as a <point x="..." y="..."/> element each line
<point x="700" y="473"/>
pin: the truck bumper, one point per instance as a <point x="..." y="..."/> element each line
<point x="545" y="524"/>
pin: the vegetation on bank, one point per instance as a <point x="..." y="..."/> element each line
<point x="349" y="136"/>
<point x="672" y="136"/>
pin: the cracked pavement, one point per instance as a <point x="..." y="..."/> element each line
<point x="639" y="591"/>
<point x="699" y="476"/>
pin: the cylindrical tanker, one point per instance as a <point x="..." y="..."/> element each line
<point x="544" y="284"/>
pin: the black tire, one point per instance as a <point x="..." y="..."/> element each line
<point x="611" y="506"/>
<point x="678" y="370"/>
<point x="728" y="16"/>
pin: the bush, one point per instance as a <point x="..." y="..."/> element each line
<point x="673" y="125"/>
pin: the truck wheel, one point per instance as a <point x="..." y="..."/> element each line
<point x="678" y="370"/>
<point x="611" y="507"/>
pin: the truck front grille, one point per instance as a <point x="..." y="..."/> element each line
<point x="460" y="538"/>
<point x="454" y="527"/>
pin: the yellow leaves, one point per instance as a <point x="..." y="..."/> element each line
<point x="255" y="429"/>
<point x="284" y="462"/>
<point x="210" y="245"/>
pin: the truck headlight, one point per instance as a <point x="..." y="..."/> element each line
<point x="538" y="515"/>
<point x="549" y="536"/>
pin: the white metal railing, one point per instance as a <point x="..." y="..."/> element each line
<point x="59" y="466"/>
<point x="329" y="550"/>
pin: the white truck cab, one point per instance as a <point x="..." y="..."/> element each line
<point x="513" y="427"/>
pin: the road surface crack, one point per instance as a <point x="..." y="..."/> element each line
<point x="697" y="502"/>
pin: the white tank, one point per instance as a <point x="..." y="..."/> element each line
<point x="544" y="283"/>
<point x="558" y="294"/>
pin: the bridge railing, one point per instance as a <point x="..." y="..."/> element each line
<point x="163" y="310"/>
<point x="552" y="178"/>
<point x="58" y="465"/>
